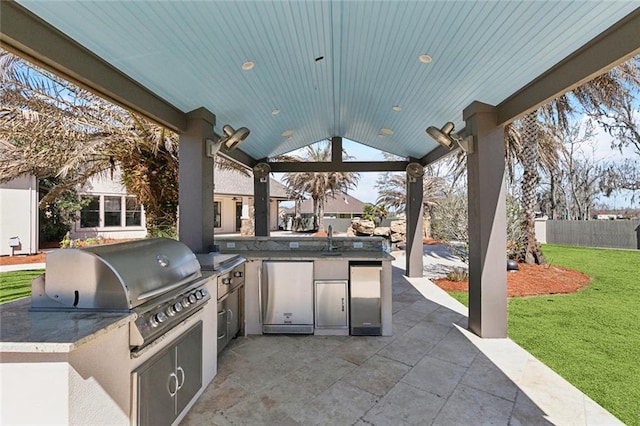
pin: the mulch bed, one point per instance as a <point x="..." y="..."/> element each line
<point x="531" y="280"/>
<point x="21" y="259"/>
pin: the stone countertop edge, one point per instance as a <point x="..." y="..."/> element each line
<point x="304" y="254"/>
<point x="52" y="332"/>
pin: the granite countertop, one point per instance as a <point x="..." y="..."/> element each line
<point x="25" y="331"/>
<point x="316" y="255"/>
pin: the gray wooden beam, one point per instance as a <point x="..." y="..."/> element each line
<point x="26" y="35"/>
<point x="614" y="46"/>
<point x="346" y="166"/>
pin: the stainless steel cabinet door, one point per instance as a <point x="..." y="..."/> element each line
<point x="331" y="304"/>
<point x="288" y="293"/>
<point x="156" y="392"/>
<point x="189" y="367"/>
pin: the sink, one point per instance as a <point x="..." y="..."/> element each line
<point x="331" y="253"/>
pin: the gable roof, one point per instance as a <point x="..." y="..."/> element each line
<point x="232" y="182"/>
<point x="342" y="203"/>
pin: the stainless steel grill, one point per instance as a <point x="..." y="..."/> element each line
<point x="157" y="279"/>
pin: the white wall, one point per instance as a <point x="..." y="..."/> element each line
<point x="19" y="214"/>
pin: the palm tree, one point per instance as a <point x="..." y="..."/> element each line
<point x="51" y="128"/>
<point x="392" y="191"/>
<point x="319" y="185"/>
<point x="530" y="143"/>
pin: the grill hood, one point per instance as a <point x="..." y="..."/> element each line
<point x="118" y="276"/>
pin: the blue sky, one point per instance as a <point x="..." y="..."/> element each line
<point x="601" y="147"/>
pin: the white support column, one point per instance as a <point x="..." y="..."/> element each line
<point x="487" y="223"/>
<point x="195" y="217"/>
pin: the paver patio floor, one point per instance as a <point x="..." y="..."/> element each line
<point x="432" y="371"/>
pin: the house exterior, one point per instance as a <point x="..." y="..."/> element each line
<point x="114" y="214"/>
<point x="343" y="206"/>
<point x="19" y="212"/>
<point x="233" y="201"/>
<point x="111" y="212"/>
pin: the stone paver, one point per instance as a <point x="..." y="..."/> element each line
<point x="432" y="371"/>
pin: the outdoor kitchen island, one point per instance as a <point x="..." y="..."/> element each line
<point x="333" y="268"/>
<point x="85" y="350"/>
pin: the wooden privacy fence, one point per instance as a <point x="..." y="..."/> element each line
<point x="621" y="234"/>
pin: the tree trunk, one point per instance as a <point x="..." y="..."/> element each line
<point x="321" y="214"/>
<point x="531" y="251"/>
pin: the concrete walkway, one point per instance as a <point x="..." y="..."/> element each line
<point x="22" y="267"/>
<point x="431" y="371"/>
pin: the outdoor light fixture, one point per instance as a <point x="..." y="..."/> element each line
<point x="445" y="138"/>
<point x="229" y="141"/>
<point x="261" y="171"/>
<point x="414" y="171"/>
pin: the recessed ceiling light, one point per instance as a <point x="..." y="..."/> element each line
<point x="425" y="59"/>
<point x="380" y="135"/>
<point x="248" y="65"/>
<point x="396" y="108"/>
<point x="275" y="112"/>
<point x="287" y="133"/>
<point x="386" y="131"/>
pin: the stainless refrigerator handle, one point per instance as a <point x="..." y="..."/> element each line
<point x="260" y="294"/>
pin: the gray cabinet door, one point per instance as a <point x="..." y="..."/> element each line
<point x="331" y="304"/>
<point x="233" y="314"/>
<point x="168" y="381"/>
<point x="156" y="386"/>
<point x="189" y="367"/>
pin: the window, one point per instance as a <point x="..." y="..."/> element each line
<point x="217" y="215"/>
<point x="111" y="211"/>
<point x="133" y="212"/>
<point x="90" y="213"/>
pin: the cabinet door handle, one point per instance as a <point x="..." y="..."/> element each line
<point x="260" y="295"/>
<point x="175" y="380"/>
<point x="343" y="304"/>
<point x="230" y="317"/>
<point x="221" y="314"/>
<point x="181" y="381"/>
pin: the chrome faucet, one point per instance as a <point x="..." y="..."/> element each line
<point x="330" y="239"/>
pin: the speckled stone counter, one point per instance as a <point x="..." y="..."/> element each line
<point x="316" y="255"/>
<point x="25" y="331"/>
<point x="306" y="248"/>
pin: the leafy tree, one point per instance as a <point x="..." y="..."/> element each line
<point x="437" y="182"/>
<point x="524" y="138"/>
<point x="318" y="185"/>
<point x="375" y="213"/>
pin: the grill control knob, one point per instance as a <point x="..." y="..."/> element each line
<point x="203" y="291"/>
<point x="171" y="310"/>
<point x="160" y="317"/>
<point x="186" y="302"/>
<point x="192" y="298"/>
<point x="177" y="306"/>
<point x="198" y="294"/>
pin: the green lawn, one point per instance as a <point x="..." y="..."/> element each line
<point x="16" y="285"/>
<point x="592" y="337"/>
